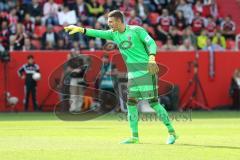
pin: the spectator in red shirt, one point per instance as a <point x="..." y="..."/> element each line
<point x="197" y="24"/>
<point x="211" y="26"/>
<point x="198" y="7"/>
<point x="133" y="19"/>
<point x="210" y="9"/>
<point x="180" y="21"/>
<point x="165" y="20"/>
<point x="228" y="28"/>
<point x="29" y="25"/>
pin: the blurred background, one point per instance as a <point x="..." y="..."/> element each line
<point x="198" y="53"/>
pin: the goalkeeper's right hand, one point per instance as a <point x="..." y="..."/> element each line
<point x="72" y="29"/>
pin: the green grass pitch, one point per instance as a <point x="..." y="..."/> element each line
<point x="211" y="135"/>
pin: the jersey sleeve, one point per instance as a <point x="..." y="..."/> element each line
<point x="107" y="34"/>
<point x="147" y="39"/>
<point x="21" y="70"/>
<point x="37" y="68"/>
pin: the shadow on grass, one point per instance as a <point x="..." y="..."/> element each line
<point x="208" y="146"/>
<point x="198" y="145"/>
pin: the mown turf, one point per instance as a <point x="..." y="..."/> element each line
<point x="203" y="136"/>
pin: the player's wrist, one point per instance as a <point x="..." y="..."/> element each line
<point x="81" y="30"/>
<point x="152" y="58"/>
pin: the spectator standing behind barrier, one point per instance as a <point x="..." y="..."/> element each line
<point x="26" y="72"/>
<point x="234" y="90"/>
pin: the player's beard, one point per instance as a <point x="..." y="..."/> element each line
<point x="113" y="29"/>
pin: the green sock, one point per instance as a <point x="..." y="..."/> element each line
<point x="133" y="119"/>
<point x="162" y="113"/>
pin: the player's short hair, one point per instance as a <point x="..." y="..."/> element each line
<point x="117" y="14"/>
<point x="30" y="57"/>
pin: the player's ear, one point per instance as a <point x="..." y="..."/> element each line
<point x="118" y="20"/>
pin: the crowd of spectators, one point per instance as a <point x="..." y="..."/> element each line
<point x="174" y="24"/>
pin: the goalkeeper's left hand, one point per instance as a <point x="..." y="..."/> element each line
<point x="72" y="29"/>
<point x="152" y="65"/>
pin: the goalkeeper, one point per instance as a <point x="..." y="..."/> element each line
<point x="138" y="50"/>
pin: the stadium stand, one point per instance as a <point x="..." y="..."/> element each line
<point x="148" y="12"/>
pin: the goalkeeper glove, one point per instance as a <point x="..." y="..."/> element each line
<point x="72" y="29"/>
<point x="152" y="65"/>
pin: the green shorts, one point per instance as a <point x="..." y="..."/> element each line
<point x="143" y="88"/>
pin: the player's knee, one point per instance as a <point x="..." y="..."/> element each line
<point x="131" y="101"/>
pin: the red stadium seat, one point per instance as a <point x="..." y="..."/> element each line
<point x="57" y="28"/>
<point x="40" y="30"/>
<point x="159" y="44"/>
<point x="153" y="17"/>
<point x="58" y="1"/>
<point x="36" y="43"/>
<point x="101" y="1"/>
<point x="133" y="2"/>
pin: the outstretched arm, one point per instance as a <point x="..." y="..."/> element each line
<point x="104" y="34"/>
<point x="107" y="34"/>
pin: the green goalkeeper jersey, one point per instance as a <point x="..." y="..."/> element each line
<point x="134" y="44"/>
